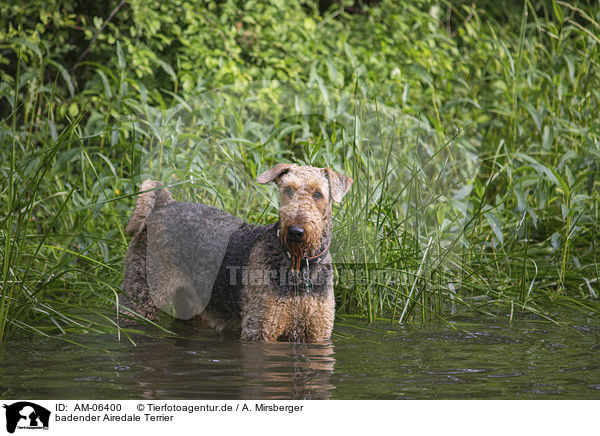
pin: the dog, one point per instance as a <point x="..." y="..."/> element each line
<point x="269" y="283"/>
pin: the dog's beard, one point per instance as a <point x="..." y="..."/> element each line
<point x="296" y="254"/>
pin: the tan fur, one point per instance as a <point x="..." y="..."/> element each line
<point x="272" y="173"/>
<point x="301" y="209"/>
<point x="216" y="322"/>
<point x="269" y="316"/>
<point x="340" y="184"/>
<point x="152" y="194"/>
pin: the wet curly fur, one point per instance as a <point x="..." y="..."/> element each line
<point x="257" y="290"/>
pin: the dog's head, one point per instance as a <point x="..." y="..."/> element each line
<point x="305" y="195"/>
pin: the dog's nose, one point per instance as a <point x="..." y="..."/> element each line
<point x="295" y="233"/>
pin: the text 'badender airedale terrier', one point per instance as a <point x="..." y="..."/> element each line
<point x="272" y="283"/>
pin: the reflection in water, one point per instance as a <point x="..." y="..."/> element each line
<point x="287" y="370"/>
<point x="208" y="366"/>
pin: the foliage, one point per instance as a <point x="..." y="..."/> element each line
<point x="509" y="94"/>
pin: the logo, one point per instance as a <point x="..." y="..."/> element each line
<point x="26" y="415"/>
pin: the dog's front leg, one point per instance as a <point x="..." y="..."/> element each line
<point x="320" y="315"/>
<point x="265" y="316"/>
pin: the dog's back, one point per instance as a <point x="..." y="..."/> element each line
<point x="186" y="259"/>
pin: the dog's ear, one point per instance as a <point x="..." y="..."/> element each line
<point x="339" y="184"/>
<point x="273" y="173"/>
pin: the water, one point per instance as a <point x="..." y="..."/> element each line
<point x="526" y="360"/>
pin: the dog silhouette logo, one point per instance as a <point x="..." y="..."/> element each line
<point x="26" y="415"/>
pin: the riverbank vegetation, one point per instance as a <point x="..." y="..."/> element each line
<point x="471" y="129"/>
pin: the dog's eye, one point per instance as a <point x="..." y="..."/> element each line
<point x="289" y="192"/>
<point x="317" y="195"/>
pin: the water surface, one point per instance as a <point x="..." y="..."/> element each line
<point x="527" y="359"/>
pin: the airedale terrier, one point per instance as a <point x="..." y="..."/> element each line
<point x="272" y="283"/>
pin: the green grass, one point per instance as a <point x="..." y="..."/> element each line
<point x="474" y="143"/>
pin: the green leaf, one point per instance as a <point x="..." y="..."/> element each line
<point x="65" y="75"/>
<point x="558" y="12"/>
<point x="120" y="57"/>
<point x="537" y="118"/>
<point x="495" y="225"/>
